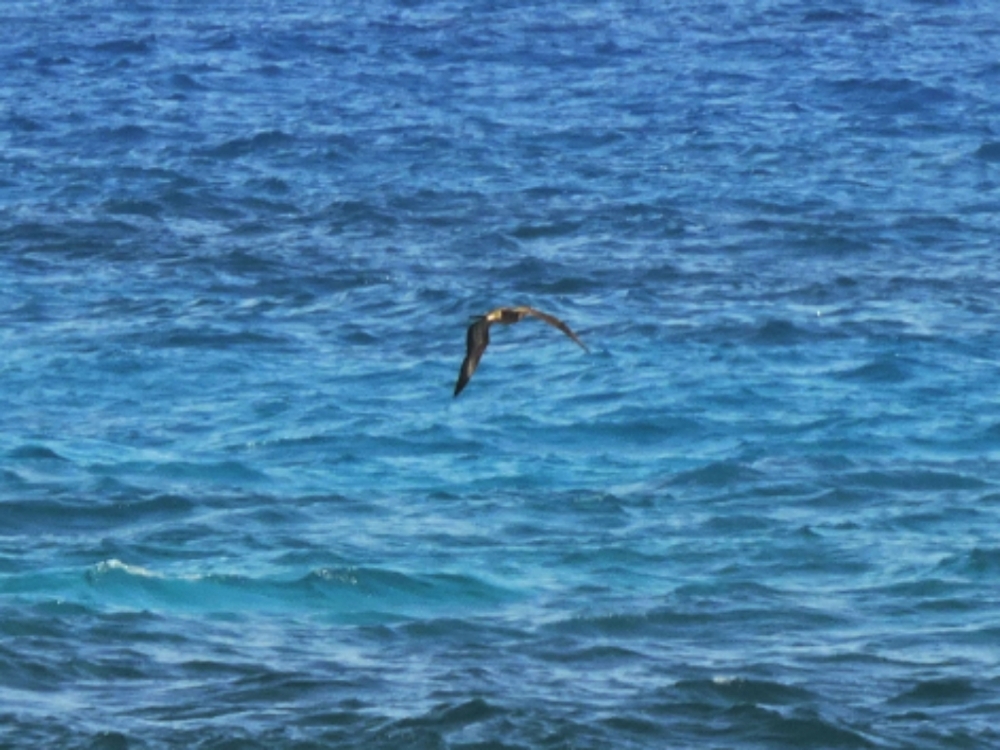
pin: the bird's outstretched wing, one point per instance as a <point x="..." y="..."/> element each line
<point x="552" y="321"/>
<point x="476" y="341"/>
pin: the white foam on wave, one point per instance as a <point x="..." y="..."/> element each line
<point x="107" y="566"/>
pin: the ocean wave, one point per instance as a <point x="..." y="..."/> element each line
<point x="937" y="693"/>
<point x="345" y="594"/>
<point x="240" y="147"/>
<point x="882" y="370"/>
<point x="733" y="690"/>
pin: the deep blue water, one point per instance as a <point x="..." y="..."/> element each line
<point x="240" y="243"/>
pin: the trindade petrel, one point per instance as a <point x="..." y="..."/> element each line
<point x="478" y="336"/>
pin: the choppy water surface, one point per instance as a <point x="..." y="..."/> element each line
<point x="239" y="245"/>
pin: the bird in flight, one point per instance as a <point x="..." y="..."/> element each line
<point x="478" y="336"/>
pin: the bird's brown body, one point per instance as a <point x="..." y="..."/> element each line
<point x="478" y="336"/>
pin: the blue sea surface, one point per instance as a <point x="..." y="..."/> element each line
<point x="240" y="243"/>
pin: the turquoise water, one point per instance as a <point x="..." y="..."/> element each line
<point x="239" y="247"/>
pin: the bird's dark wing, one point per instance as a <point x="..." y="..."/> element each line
<point x="552" y="321"/>
<point x="476" y="340"/>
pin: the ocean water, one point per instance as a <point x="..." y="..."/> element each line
<point x="240" y="243"/>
